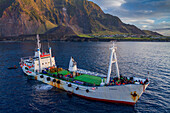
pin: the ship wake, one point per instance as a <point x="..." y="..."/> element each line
<point x="43" y="87"/>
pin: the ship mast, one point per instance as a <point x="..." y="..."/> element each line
<point x="50" y="56"/>
<point x="38" y="50"/>
<point x="113" y="52"/>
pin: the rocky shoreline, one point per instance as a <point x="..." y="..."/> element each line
<point x="74" y="38"/>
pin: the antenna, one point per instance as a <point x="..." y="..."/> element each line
<point x="42" y="48"/>
<point x="38" y="50"/>
<point x="51" y="64"/>
<point x="38" y="41"/>
<point x="112" y="54"/>
<point x="48" y="44"/>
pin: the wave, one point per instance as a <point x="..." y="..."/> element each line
<point x="43" y="87"/>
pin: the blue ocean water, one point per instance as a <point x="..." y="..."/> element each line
<point x="19" y="94"/>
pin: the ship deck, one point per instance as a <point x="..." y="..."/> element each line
<point x="81" y="79"/>
<point x="90" y="80"/>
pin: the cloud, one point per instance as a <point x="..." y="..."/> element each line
<point x="164" y="32"/>
<point x="105" y="4"/>
<point x="162" y="25"/>
<point x="161" y="29"/>
<point x="138" y="21"/>
<point x="145" y="14"/>
<point x="144" y="26"/>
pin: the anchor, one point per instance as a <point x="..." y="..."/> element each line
<point x="134" y="94"/>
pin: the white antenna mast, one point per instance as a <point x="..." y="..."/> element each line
<point x="38" y="42"/>
<point x="113" y="52"/>
<point x="50" y="55"/>
<point x="39" y="53"/>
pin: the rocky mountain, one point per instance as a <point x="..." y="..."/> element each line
<point x="147" y="32"/>
<point x="60" y="17"/>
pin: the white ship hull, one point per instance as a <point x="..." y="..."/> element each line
<point x="92" y="86"/>
<point x="115" y="94"/>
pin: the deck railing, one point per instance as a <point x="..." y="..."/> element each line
<point x="25" y="58"/>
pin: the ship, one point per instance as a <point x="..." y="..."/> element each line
<point x="83" y="83"/>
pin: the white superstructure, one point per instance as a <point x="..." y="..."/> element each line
<point x="38" y="62"/>
<point x="72" y="65"/>
<point x="113" y="52"/>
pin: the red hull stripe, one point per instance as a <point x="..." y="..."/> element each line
<point x="104" y="100"/>
<point x="44" y="55"/>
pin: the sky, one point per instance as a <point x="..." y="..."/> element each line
<point x="145" y="14"/>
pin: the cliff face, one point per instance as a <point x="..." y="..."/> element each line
<point x="25" y="17"/>
<point x="22" y="17"/>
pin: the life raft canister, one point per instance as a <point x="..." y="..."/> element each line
<point x="58" y="82"/>
<point x="69" y="85"/>
<point x="54" y="80"/>
<point x="77" y="88"/>
<point x="87" y="90"/>
<point x="48" y="78"/>
<point x="41" y="76"/>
